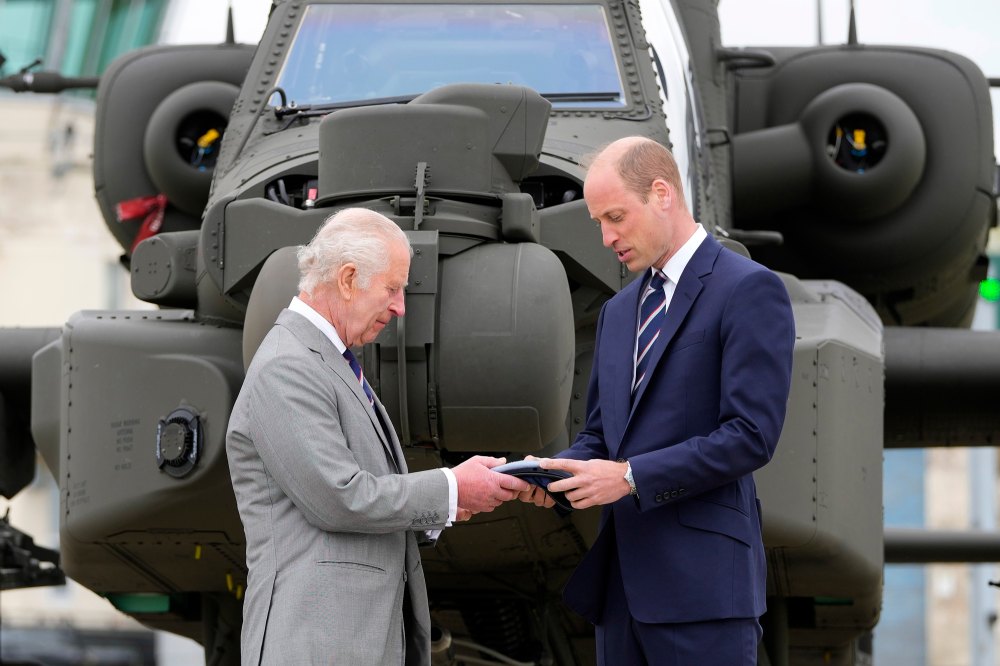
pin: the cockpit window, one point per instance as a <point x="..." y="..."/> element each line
<point x="348" y="52"/>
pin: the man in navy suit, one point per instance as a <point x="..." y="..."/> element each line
<point x="687" y="397"/>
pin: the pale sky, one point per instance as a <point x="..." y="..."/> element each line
<point x="967" y="27"/>
<point x="204" y="21"/>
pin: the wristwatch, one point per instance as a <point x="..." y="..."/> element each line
<point x="628" y="478"/>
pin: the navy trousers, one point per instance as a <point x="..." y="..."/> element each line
<point x="624" y="641"/>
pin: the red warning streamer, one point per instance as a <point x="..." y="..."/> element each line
<point x="150" y="208"/>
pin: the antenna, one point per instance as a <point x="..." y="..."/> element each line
<point x="819" y="22"/>
<point x="852" y="29"/>
<point x="230" y="33"/>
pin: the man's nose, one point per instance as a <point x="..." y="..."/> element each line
<point x="398" y="305"/>
<point x="608" y="237"/>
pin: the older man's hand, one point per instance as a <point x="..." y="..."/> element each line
<point x="481" y="489"/>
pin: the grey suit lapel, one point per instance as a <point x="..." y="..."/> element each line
<point x="336" y="362"/>
<point x="319" y="344"/>
<point x="394" y="440"/>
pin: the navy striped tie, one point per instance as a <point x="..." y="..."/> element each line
<point x="356" y="367"/>
<point x="651" y="313"/>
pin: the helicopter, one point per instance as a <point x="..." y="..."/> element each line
<point x="863" y="175"/>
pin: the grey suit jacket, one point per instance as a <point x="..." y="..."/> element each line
<point x="328" y="520"/>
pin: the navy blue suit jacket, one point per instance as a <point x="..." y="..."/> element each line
<point x="710" y="413"/>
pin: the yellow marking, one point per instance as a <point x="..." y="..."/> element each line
<point x="208" y="138"/>
<point x="859" y="139"/>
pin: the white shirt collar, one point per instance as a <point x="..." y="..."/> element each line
<point x="318" y="321"/>
<point x="676" y="264"/>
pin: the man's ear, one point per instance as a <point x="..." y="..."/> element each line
<point x="346" y="280"/>
<point x="663" y="193"/>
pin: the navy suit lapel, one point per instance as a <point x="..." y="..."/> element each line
<point x="625" y="314"/>
<point x="685" y="293"/>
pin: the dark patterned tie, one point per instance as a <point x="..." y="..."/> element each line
<point x="356" y="367"/>
<point x="651" y="313"/>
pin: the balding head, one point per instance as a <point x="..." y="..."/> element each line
<point x="633" y="191"/>
<point x="639" y="161"/>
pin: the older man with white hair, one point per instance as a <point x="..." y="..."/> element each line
<point x="323" y="491"/>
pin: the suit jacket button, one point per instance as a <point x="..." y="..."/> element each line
<point x="659" y="497"/>
<point x="673" y="494"/>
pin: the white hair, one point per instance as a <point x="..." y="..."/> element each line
<point x="351" y="236"/>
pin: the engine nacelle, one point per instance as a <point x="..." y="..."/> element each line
<point x="162" y="112"/>
<point x="876" y="165"/>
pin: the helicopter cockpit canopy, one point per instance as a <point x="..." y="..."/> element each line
<point x="354" y="52"/>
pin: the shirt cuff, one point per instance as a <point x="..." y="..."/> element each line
<point x="452" y="495"/>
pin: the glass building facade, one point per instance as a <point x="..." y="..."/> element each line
<point x="75" y="37"/>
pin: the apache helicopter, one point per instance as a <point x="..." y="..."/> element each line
<point x="863" y="175"/>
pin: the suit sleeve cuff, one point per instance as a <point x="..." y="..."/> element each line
<point x="452" y="495"/>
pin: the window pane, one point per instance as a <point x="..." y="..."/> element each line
<point x="355" y="52"/>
